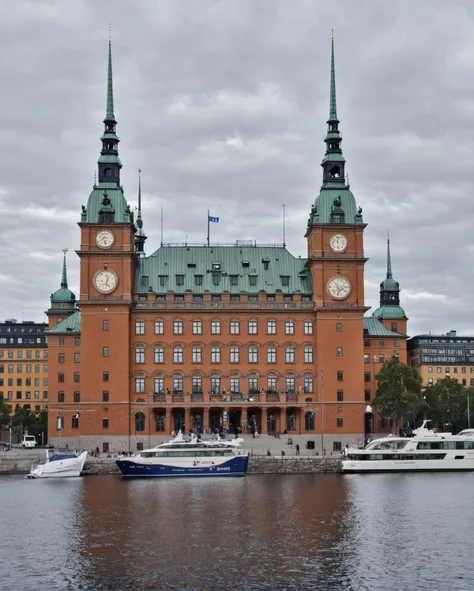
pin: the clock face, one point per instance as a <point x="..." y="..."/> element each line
<point x="105" y="281"/>
<point x="338" y="243"/>
<point x="339" y="287"/>
<point x="105" y="239"/>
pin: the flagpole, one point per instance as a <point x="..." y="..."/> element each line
<point x="208" y="227"/>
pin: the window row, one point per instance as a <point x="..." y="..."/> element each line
<point x="396" y="342"/>
<point x="216" y="326"/>
<point x="254" y="386"/>
<point x="463" y="381"/>
<point x="447" y="370"/>
<point x="27" y="395"/>
<point x="77" y="341"/>
<point x="28" y="381"/>
<point x="29" y="368"/>
<point x="22" y="354"/>
<point x="216" y="355"/>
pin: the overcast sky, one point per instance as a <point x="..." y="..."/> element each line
<point x="223" y="104"/>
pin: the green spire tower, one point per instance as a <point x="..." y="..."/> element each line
<point x="336" y="203"/>
<point x="64" y="294"/>
<point x="390" y="308"/>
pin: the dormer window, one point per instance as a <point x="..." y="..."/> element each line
<point x="266" y="264"/>
<point x="337" y="217"/>
<point x="106" y="217"/>
<point x="180" y="279"/>
<point x="253" y="280"/>
<point x="216" y="267"/>
<point x="285" y="280"/>
<point x="245" y="263"/>
<point x="234" y="279"/>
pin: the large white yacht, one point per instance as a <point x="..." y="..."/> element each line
<point x="427" y="450"/>
<point x="187" y="457"/>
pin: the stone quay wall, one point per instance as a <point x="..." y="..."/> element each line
<point x="21" y="463"/>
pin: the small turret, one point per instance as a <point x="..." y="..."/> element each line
<point x="63" y="295"/>
<point x="390" y="308"/>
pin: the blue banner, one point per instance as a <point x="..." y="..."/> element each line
<point x="211" y="219"/>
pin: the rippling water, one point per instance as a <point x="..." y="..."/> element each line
<point x="385" y="532"/>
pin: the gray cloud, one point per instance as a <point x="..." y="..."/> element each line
<point x="223" y="104"/>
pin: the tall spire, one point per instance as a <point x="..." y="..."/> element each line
<point x="333" y="162"/>
<point x="64" y="275"/>
<point x="109" y="114"/>
<point x="389" y="261"/>
<point x="140" y="236"/>
<point x="332" y="101"/>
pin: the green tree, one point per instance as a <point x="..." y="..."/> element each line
<point x="23" y="419"/>
<point x="398" y="394"/>
<point x="446" y="404"/>
<point x="4" y="414"/>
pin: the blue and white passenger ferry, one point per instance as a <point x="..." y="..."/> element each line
<point x="192" y="457"/>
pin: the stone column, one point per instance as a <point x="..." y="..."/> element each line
<point x="169" y="421"/>
<point x="264" y="420"/>
<point x="205" y="418"/>
<point x="187" y="419"/>
<point x="282" y="419"/>
<point x="244" y="417"/>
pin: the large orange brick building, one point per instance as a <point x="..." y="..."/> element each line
<point x="243" y="336"/>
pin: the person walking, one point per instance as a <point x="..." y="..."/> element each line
<point x="297" y="448"/>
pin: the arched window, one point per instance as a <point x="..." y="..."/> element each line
<point x="309" y="420"/>
<point x="139" y="422"/>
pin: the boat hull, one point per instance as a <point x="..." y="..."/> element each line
<point x="60" y="468"/>
<point x="136" y="468"/>
<point x="445" y="465"/>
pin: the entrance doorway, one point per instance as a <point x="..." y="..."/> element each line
<point x="234" y="421"/>
<point x="254" y="419"/>
<point x="215" y="419"/>
<point x="178" y="419"/>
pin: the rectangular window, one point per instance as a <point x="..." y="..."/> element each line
<point x="196" y="385"/>
<point x="290" y="384"/>
<point x="198" y="279"/>
<point x="177" y="355"/>
<point x="61" y="343"/>
<point x="430" y="370"/>
<point x="366" y="358"/>
<point x="60" y="377"/>
<point x="77" y="377"/>
<point x="340" y="422"/>
<point x="159" y="327"/>
<point x="463" y="370"/>
<point x="339" y="352"/>
<point x="438" y="370"/>
<point x="308" y="354"/>
<point x="139" y="327"/>
<point x="271" y="384"/>
<point x="340" y="395"/>
<point x="271" y="355"/>
<point x="215" y="355"/>
<point x="235" y="298"/>
<point x="253" y="355"/>
<point x="234" y="280"/>
<point x="253" y="280"/>
<point x="234" y="327"/>
<point x="216" y="298"/>
<point x="308" y="384"/>
<point x="60" y="396"/>
<point x="60" y="357"/>
<point x="77" y="397"/>
<point x="289" y="327"/>
<point x="139" y="385"/>
<point x="216" y="279"/>
<point x="197" y="327"/>
<point x="105" y="351"/>
<point x="77" y="357"/>
<point x="235" y="385"/>
<point x="285" y="280"/>
<point x="105" y="424"/>
<point x="308" y="327"/>
<point x="430" y="381"/>
<point x="28" y="354"/>
<point x="105" y="376"/>
<point x="234" y="355"/>
<point x="18" y="395"/>
<point x="179" y="279"/>
<point x="455" y="370"/>
<point x="140" y="355"/>
<point x="197" y="355"/>
<point x="177" y="385"/>
<point x="215" y="327"/>
<point x="396" y="343"/>
<point x="381" y="357"/>
<point x="271" y="327"/>
<point x="367" y="376"/>
<point x="77" y="341"/>
<point x="394" y="326"/>
<point x="253" y="327"/>
<point x="290" y="355"/>
<point x="159" y="355"/>
<point x="253" y="385"/>
<point x="381" y="343"/>
<point x="178" y="327"/>
<point x="367" y="395"/>
<point x="159" y="385"/>
<point x="340" y="376"/>
<point x="19" y="368"/>
<point x="105" y="325"/>
<point x="215" y="385"/>
<point x="105" y="396"/>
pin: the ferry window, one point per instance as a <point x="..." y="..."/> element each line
<point x="340" y="422"/>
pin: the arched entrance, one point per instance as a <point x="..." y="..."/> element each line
<point x="235" y="420"/>
<point x="254" y="420"/>
<point x="216" y="419"/>
<point x="291" y="415"/>
<point x="309" y="420"/>
<point x="273" y="420"/>
<point x="160" y="420"/>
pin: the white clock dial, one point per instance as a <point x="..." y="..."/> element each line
<point x="105" y="239"/>
<point x="339" y="287"/>
<point x="105" y="281"/>
<point x="338" y="243"/>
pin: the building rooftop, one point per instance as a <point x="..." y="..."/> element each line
<point x="71" y="324"/>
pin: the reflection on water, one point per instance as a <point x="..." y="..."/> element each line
<point x="261" y="532"/>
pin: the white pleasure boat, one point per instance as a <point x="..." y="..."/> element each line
<point x="427" y="450"/>
<point x="59" y="464"/>
<point x="187" y="457"/>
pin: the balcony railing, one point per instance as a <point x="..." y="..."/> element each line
<point x="229" y="398"/>
<point x="225" y="305"/>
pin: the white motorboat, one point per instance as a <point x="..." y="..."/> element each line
<point x="59" y="464"/>
<point x="187" y="457"/>
<point x="427" y="450"/>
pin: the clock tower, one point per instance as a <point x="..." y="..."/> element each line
<point x="336" y="262"/>
<point x="107" y="268"/>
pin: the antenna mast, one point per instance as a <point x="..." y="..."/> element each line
<point x="284" y="224"/>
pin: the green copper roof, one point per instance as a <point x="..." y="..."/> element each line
<point x="110" y="115"/>
<point x="373" y="327"/>
<point x="71" y="324"/>
<point x="246" y="263"/>
<point x="109" y="159"/>
<point x="389" y="284"/>
<point x="324" y="203"/>
<point x="64" y="294"/>
<point x="118" y="203"/>
<point x="390" y="313"/>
